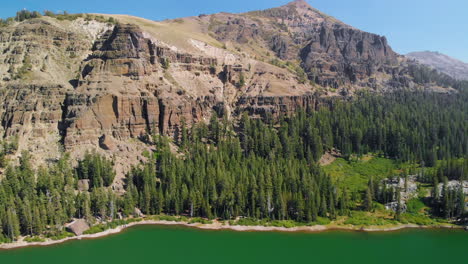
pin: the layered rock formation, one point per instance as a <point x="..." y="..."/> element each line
<point x="125" y="92"/>
<point x="274" y="106"/>
<point x="81" y="85"/>
<point x="38" y="59"/>
<point x="340" y="55"/>
<point x="332" y="53"/>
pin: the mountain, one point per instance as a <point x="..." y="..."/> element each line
<point x="110" y="119"/>
<point x="443" y="63"/>
<point x="105" y="82"/>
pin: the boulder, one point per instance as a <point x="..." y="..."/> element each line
<point x="455" y="185"/>
<point x="107" y="143"/>
<point x="83" y="185"/>
<point x="394" y="207"/>
<point x="137" y="212"/>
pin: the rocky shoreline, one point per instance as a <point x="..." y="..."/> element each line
<point x="221" y="226"/>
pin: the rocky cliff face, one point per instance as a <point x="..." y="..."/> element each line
<point x="38" y="58"/>
<point x="340" y="55"/>
<point x="125" y="92"/>
<point x="81" y="85"/>
<point x="332" y="53"/>
<point x="274" y="106"/>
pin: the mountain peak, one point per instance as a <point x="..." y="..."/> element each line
<point x="299" y="4"/>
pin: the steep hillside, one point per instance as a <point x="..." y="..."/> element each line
<point x="39" y="58"/>
<point x="443" y="63"/>
<point x="110" y="119"/>
<point x="83" y="83"/>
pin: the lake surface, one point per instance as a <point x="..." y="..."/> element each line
<point x="177" y="244"/>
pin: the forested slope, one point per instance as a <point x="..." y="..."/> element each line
<point x="261" y="169"/>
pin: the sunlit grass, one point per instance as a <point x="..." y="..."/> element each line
<point x="356" y="173"/>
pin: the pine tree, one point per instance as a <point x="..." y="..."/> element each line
<point x="398" y="199"/>
<point x="368" y="200"/>
<point x="461" y="201"/>
<point x="12" y="223"/>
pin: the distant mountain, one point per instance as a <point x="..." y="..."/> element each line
<point x="443" y="63"/>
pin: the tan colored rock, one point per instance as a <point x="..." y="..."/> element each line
<point x="83" y="185"/>
<point x="107" y="143"/>
<point x="137" y="212"/>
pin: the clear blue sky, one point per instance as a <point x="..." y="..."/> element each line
<point x="410" y="25"/>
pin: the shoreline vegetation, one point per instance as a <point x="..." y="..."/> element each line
<point x="104" y="230"/>
<point x="258" y="173"/>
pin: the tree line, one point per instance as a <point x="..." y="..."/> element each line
<point x="415" y="127"/>
<point x="24" y="15"/>
<point x="40" y="202"/>
<point x="268" y="169"/>
<point x="259" y="168"/>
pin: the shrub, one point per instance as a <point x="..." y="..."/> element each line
<point x="241" y="80"/>
<point x="414" y="206"/>
<point x="34" y="239"/>
<point x="246" y="222"/>
<point x="415" y="219"/>
<point x="322" y="221"/>
<point x="95" y="229"/>
<point x="4" y="239"/>
<point x="166" y="218"/>
<point x="24" y="69"/>
<point x="60" y="235"/>
<point x="165" y="63"/>
<point x="358" y="218"/>
<point x="285" y="223"/>
<point x="378" y="206"/>
<point x="200" y="220"/>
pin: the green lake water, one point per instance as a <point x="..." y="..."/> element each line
<point x="177" y="244"/>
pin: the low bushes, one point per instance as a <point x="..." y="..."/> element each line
<point x="359" y="218"/>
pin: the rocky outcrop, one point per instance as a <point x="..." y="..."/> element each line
<point x="454" y="185"/>
<point x="41" y="50"/>
<point x="38" y="58"/>
<point x="123" y="117"/>
<point x="83" y="185"/>
<point x="31" y="109"/>
<point x="332" y="53"/>
<point x="33" y="113"/>
<point x="125" y="91"/>
<point x="274" y="106"/>
<point x="340" y="55"/>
